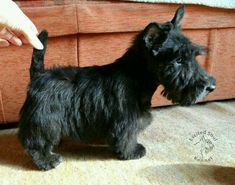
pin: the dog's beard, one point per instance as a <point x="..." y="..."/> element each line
<point x="185" y="98"/>
<point x="201" y="95"/>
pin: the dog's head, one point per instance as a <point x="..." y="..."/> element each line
<point x="173" y="57"/>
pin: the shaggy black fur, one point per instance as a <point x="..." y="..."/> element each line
<point x="110" y="102"/>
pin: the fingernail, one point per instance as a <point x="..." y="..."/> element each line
<point x="18" y="42"/>
<point x="37" y="44"/>
<point x="33" y="39"/>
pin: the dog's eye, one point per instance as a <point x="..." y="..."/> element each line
<point x="179" y="60"/>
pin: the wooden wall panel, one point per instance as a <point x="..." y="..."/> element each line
<point x="99" y="49"/>
<point x="222" y="59"/>
<point x="107" y="47"/>
<point x="58" y="20"/>
<point x="15" y="65"/>
<point x="2" y="116"/>
<point x="105" y="30"/>
<point x="131" y="17"/>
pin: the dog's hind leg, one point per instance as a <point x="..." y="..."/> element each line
<point x="39" y="144"/>
<point x="43" y="157"/>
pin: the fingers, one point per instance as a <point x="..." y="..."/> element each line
<point x="30" y="34"/>
<point x="4" y="43"/>
<point x="17" y="24"/>
<point x="31" y="25"/>
<point x="26" y="36"/>
<point x="32" y="38"/>
<point x="23" y="39"/>
<point x="10" y="37"/>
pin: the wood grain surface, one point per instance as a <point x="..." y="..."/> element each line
<point x="222" y="59"/>
<point x="98" y="32"/>
<point x="58" y="20"/>
<point x="2" y="116"/>
<point x="130" y="17"/>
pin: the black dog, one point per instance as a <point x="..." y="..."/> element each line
<point x="110" y="102"/>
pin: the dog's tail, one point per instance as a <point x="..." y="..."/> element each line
<point x="37" y="64"/>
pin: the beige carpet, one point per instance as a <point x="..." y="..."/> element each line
<point x="185" y="146"/>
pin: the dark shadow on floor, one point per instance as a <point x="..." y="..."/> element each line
<point x="71" y="149"/>
<point x="199" y="174"/>
<point x="12" y="153"/>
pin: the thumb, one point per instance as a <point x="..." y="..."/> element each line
<point x="4" y="43"/>
<point x="31" y="36"/>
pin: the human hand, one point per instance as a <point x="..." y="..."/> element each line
<point x="15" y="27"/>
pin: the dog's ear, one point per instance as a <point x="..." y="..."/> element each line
<point x="151" y="32"/>
<point x="178" y="16"/>
<point x="156" y="34"/>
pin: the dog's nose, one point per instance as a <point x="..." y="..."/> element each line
<point x="212" y="84"/>
<point x="211" y="88"/>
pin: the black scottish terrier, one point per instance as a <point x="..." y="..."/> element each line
<point x="110" y="102"/>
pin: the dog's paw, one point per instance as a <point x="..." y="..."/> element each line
<point x="137" y="153"/>
<point x="49" y="162"/>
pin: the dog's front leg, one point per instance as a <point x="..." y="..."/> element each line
<point x="126" y="145"/>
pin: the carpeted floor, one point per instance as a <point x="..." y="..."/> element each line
<point x="185" y="146"/>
